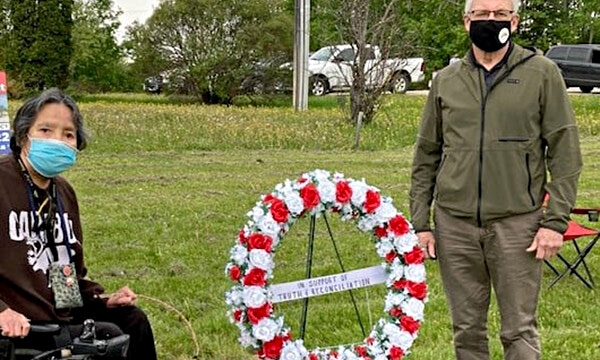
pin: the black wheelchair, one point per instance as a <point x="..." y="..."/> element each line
<point x="83" y="347"/>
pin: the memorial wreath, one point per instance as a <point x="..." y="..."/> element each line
<point x="251" y="267"/>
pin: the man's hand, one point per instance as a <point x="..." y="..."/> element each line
<point x="546" y="243"/>
<point x="124" y="297"/>
<point x="427" y="243"/>
<point x="13" y="324"/>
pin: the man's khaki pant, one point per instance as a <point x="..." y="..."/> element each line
<point x="472" y="259"/>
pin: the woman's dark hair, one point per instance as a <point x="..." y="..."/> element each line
<point x="29" y="111"/>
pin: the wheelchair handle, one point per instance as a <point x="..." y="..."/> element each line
<point x="44" y="328"/>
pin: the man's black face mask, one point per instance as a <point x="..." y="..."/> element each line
<point x="490" y="35"/>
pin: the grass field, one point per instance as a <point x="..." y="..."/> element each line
<point x="164" y="189"/>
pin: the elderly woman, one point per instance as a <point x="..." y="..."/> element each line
<point x="41" y="257"/>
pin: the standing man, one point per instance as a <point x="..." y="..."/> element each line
<point x="493" y="124"/>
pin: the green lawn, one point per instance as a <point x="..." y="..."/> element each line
<point x="164" y="189"/>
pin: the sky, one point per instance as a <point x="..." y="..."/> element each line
<point x="133" y="10"/>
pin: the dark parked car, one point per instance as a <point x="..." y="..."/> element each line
<point x="579" y="64"/>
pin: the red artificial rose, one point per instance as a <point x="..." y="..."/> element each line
<point x="287" y="336"/>
<point x="389" y="257"/>
<point x="372" y="202"/>
<point x="235" y="272"/>
<point x="333" y="354"/>
<point x="399" y="225"/>
<point x="272" y="349"/>
<point x="409" y="324"/>
<point x="361" y="351"/>
<point x="343" y="192"/>
<point x="312" y="356"/>
<point x="400" y="284"/>
<point x="302" y="180"/>
<point x="257" y="314"/>
<point x="279" y="211"/>
<point x="256" y="277"/>
<point x="370" y="341"/>
<point x="380" y="232"/>
<point x="310" y="196"/>
<point x="259" y="241"/>
<point x="237" y="315"/>
<point x="268" y="198"/>
<point x="396" y="312"/>
<point x="396" y="353"/>
<point x="242" y="237"/>
<point x="418" y="290"/>
<point x="416" y="256"/>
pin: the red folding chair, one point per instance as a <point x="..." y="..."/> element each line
<point x="574" y="232"/>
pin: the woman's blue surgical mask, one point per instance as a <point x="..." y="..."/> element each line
<point x="50" y="157"/>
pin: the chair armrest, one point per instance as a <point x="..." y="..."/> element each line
<point x="592" y="213"/>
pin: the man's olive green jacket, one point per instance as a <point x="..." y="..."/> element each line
<point x="484" y="155"/>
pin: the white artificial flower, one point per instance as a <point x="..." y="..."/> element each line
<point x="254" y="296"/>
<point x="293" y="351"/>
<point x="246" y="338"/>
<point x="375" y="349"/>
<point x="385" y="212"/>
<point x="381" y="357"/>
<point x="261" y="259"/>
<point x="402" y="339"/>
<point x="268" y="226"/>
<point x="321" y="175"/>
<point x="266" y="329"/>
<point x="338" y="176"/>
<point x="414" y="308"/>
<point x="294" y="202"/>
<point x="346" y="212"/>
<point x="349" y="355"/>
<point x="391" y="330"/>
<point x="239" y="254"/>
<point x="397" y="270"/>
<point x="393" y="300"/>
<point x="366" y="223"/>
<point x="359" y="192"/>
<point x="406" y="243"/>
<point x="384" y="247"/>
<point x="327" y="191"/>
<point x="257" y="212"/>
<point x="235" y="297"/>
<point x="415" y="273"/>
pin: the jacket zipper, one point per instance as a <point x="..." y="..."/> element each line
<point x="484" y="98"/>
<point x="481" y="135"/>
<point x="529" y="180"/>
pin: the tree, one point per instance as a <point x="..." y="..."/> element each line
<point x="97" y="62"/>
<point x="39" y="42"/>
<point x="366" y="23"/>
<point x="145" y="59"/>
<point x="209" y="46"/>
<point x="546" y="23"/>
<point x="4" y="32"/>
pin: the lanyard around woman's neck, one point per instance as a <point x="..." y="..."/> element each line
<point x="52" y="196"/>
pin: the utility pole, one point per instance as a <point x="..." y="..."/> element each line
<point x="301" y="46"/>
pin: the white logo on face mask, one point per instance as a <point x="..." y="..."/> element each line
<point x="503" y="36"/>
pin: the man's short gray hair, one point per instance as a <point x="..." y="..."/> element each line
<point x="28" y="112"/>
<point x="516" y="5"/>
